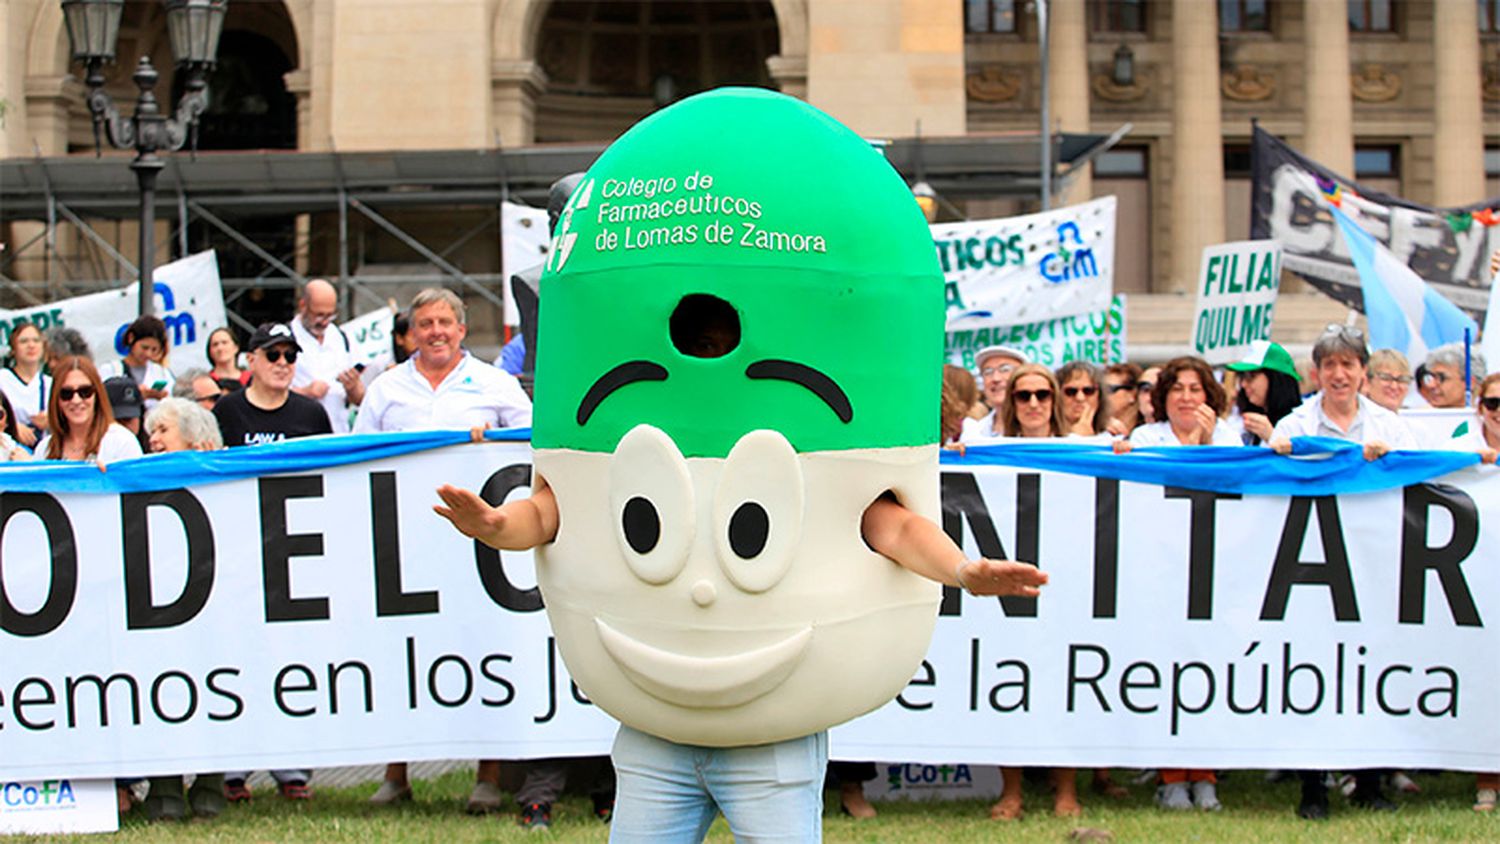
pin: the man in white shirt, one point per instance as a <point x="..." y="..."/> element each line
<point x="1338" y="410"/>
<point x="325" y="367"/>
<point x="442" y="386"/>
<point x="995" y="363"/>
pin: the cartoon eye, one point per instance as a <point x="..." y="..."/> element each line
<point x="651" y="497"/>
<point x="758" y="510"/>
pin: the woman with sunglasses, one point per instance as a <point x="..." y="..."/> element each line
<point x="1082" y="401"/>
<point x="25" y="384"/>
<point x="82" y="423"/>
<point x="1268" y="390"/>
<point x="1031" y="410"/>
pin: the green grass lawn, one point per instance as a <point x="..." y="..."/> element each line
<point x="1254" y="812"/>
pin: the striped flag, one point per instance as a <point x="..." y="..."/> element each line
<point x="1403" y="311"/>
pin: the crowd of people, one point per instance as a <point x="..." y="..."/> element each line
<point x="300" y="378"/>
<point x="1346" y="393"/>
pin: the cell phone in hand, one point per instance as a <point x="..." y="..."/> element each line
<point x="159" y="385"/>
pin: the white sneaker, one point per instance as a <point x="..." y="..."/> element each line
<point x="1174" y="796"/>
<point x="1206" y="796"/>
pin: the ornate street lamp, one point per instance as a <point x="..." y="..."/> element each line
<point x="194" y="27"/>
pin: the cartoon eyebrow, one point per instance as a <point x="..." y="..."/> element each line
<point x="625" y="373"/>
<point x="821" y="385"/>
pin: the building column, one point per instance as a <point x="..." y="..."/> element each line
<point x="790" y="74"/>
<point x="1328" y="112"/>
<point x="1068" y="66"/>
<point x="48" y="101"/>
<point x="1458" y="134"/>
<point x="515" y="86"/>
<point x="1197" y="213"/>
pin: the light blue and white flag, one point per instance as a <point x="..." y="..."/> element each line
<point x="1404" y="312"/>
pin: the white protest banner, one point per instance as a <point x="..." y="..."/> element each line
<point x="58" y="807"/>
<point x="524" y="241"/>
<point x="189" y="299"/>
<point x="308" y="609"/>
<point x="1237" y="287"/>
<point x="1098" y="337"/>
<point x="1037" y="267"/>
<point x="369" y="335"/>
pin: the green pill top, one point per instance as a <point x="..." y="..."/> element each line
<point x="738" y="261"/>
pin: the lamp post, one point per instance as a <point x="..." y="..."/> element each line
<point x="193" y="27"/>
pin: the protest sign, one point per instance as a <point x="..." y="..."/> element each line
<point x="189" y="299"/>
<point x="524" y="242"/>
<point x="1248" y="628"/>
<point x="1028" y="269"/>
<point x="369" y="335"/>
<point x="1097" y="337"/>
<point x="1237" y="287"/>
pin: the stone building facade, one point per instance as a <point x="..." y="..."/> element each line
<point x="1402" y="94"/>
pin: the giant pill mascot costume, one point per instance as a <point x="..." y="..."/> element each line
<point x="736" y="409"/>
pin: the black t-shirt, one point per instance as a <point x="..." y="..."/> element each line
<point x="242" y="423"/>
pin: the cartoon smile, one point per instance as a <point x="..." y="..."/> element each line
<point x="704" y="682"/>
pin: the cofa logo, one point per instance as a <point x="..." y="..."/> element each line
<point x="909" y="775"/>
<point x="21" y="795"/>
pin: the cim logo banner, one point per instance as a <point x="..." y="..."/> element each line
<point x="34" y="796"/>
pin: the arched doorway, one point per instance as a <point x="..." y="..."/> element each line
<point x="610" y="63"/>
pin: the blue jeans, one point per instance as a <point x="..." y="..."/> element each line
<point x="671" y="792"/>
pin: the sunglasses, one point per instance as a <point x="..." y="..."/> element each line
<point x="67" y="393"/>
<point x="210" y="399"/>
<point x="1115" y="388"/>
<point x="1490" y="403"/>
<point x="1025" y="396"/>
<point x="1345" y="330"/>
<point x="1146" y="386"/>
<point x="1072" y="392"/>
<point x="275" y="355"/>
<point x="1431" y="377"/>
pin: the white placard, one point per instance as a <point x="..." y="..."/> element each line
<point x="524" y="243"/>
<point x="58" y="807"/>
<point x="1097" y="337"/>
<point x="1028" y="269"/>
<point x="1237" y="287"/>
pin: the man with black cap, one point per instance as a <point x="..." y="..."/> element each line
<point x="266" y="410"/>
<point x="128" y="406"/>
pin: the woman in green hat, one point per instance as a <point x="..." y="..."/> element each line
<point x="1268" y="390"/>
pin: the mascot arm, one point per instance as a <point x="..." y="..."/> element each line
<point x="921" y="546"/>
<point x="517" y="526"/>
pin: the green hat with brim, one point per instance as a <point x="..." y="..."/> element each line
<point x="1266" y="355"/>
<point x="794" y="227"/>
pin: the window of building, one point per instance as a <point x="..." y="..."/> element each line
<point x="1123" y="172"/>
<point x="1489" y="16"/>
<point x="1120" y="15"/>
<point x="1130" y="161"/>
<point x="1377" y="162"/>
<point x="1244" y="16"/>
<point x="1371" y="16"/>
<point x="1492" y="171"/>
<point x="982" y="16"/>
<point x="1237" y="182"/>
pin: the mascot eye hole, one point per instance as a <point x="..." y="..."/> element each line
<point x="749" y="528"/>
<point x="642" y="525"/>
<point x="704" y="326"/>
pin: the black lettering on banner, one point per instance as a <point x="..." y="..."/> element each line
<point x="1288" y="570"/>
<point x="1074" y="679"/>
<point x="64" y="554"/>
<point x="1022" y="684"/>
<point x="1106" y="546"/>
<point x="464" y="671"/>
<point x="1417" y="557"/>
<point x="484" y="670"/>
<point x="1289" y="672"/>
<point x="925" y="677"/>
<point x="333" y="684"/>
<point x="1380" y="681"/>
<point x="1450" y="690"/>
<point x="278" y="548"/>
<point x="101" y="687"/>
<point x="281" y="689"/>
<point x="962" y="502"/>
<point x="140" y="612"/>
<point x="1200" y="548"/>
<point x="239" y="703"/>
<point x="20" y="702"/>
<point x="192" y="697"/>
<point x="1127" y="685"/>
<point x="385" y="539"/>
<point x="491" y="563"/>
